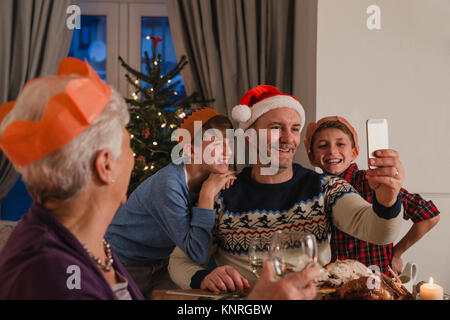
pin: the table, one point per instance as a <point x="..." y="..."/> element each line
<point x="163" y="295"/>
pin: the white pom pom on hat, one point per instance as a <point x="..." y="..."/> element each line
<point x="241" y="113"/>
<point x="260" y="100"/>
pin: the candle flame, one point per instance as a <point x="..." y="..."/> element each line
<point x="431" y="281"/>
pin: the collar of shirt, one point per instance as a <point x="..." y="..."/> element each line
<point x="349" y="172"/>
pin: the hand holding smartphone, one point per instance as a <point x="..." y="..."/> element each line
<point x="377" y="137"/>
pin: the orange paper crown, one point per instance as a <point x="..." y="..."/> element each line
<point x="66" y="115"/>
<point x="203" y="115"/>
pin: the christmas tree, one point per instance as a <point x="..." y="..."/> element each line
<point x="156" y="110"/>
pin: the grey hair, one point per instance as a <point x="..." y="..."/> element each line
<point x="63" y="174"/>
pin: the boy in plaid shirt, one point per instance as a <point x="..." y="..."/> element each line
<point x="332" y="145"/>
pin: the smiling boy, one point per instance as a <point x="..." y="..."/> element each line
<point x="174" y="207"/>
<point x="332" y="145"/>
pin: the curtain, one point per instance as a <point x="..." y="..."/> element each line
<point x="34" y="38"/>
<point x="235" y="45"/>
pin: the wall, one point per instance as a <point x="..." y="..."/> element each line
<point x="305" y="72"/>
<point x="400" y="72"/>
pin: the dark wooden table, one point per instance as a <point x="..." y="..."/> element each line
<point x="163" y="295"/>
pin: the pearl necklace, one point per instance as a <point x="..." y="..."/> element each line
<point x="109" y="259"/>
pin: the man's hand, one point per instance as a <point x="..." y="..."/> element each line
<point x="387" y="179"/>
<point x="224" y="278"/>
<point x="294" y="286"/>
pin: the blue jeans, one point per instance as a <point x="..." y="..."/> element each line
<point x="152" y="277"/>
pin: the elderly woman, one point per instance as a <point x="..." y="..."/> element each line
<point x="66" y="135"/>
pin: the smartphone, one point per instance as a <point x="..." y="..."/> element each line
<point x="377" y="137"/>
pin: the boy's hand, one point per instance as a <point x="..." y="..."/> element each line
<point x="228" y="184"/>
<point x="217" y="182"/>
<point x="212" y="186"/>
<point x="397" y="263"/>
<point x="387" y="179"/>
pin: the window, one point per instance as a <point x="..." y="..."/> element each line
<point x="90" y="42"/>
<point x="110" y="29"/>
<point x="159" y="27"/>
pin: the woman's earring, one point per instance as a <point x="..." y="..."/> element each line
<point x="112" y="180"/>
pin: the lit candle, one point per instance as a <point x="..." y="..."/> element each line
<point x="431" y="291"/>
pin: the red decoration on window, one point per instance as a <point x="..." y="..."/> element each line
<point x="155" y="41"/>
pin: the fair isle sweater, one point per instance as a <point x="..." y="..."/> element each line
<point x="308" y="202"/>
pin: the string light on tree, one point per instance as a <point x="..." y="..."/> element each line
<point x="157" y="107"/>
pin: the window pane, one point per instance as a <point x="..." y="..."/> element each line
<point x="89" y="43"/>
<point x="159" y="27"/>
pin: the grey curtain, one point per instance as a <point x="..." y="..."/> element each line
<point x="235" y="45"/>
<point x="34" y="38"/>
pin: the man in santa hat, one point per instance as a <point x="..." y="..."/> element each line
<point x="293" y="199"/>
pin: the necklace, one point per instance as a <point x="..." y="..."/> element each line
<point x="109" y="259"/>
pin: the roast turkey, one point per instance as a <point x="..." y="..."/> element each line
<point x="352" y="280"/>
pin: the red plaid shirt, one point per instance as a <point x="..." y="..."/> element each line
<point x="344" y="246"/>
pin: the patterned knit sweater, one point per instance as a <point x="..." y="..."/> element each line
<point x="308" y="202"/>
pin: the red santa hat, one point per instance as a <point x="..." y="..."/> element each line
<point x="260" y="100"/>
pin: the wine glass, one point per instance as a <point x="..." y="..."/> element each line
<point x="292" y="251"/>
<point x="258" y="252"/>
